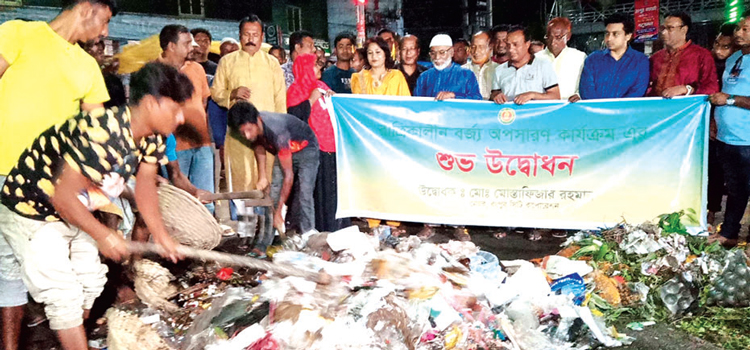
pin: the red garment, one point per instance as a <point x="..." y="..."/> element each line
<point x="304" y="83"/>
<point x="689" y="65"/>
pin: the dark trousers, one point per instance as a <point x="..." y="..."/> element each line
<point x="715" y="176"/>
<point x="300" y="214"/>
<point x="326" y="195"/>
<point x="736" y="160"/>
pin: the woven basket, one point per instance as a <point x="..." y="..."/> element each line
<point x="187" y="219"/>
<point x="127" y="332"/>
<point x="152" y="285"/>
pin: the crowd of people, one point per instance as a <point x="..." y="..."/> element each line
<point x="63" y="161"/>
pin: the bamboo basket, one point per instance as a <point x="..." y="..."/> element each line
<point x="126" y="331"/>
<point x="187" y="220"/>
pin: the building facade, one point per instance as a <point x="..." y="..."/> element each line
<point x="139" y="19"/>
<point x="457" y="18"/>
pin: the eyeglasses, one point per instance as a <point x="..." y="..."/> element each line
<point x="439" y="53"/>
<point x="409" y="49"/>
<point x="670" y="28"/>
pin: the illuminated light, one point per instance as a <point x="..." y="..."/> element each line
<point x="733" y="10"/>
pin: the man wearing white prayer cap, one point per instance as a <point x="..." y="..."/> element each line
<point x="446" y="80"/>
<point x="228" y="45"/>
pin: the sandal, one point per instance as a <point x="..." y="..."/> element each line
<point x="36" y="321"/>
<point x="426" y="233"/>
<point x="534" y="236"/>
<point x="256" y="253"/>
<point x="461" y="234"/>
<point x="397" y="231"/>
<point x="500" y="235"/>
<point x="726" y="242"/>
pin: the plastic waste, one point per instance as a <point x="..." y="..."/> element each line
<point x="639" y="326"/>
<point x="488" y="266"/>
<point x="732" y="287"/>
<point x="528" y="281"/>
<point x="572" y="285"/>
<point x="679" y="294"/>
<point x="557" y="266"/>
<point x="639" y="242"/>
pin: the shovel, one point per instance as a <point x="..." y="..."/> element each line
<point x="234" y="260"/>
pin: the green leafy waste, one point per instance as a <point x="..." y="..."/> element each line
<point x="724" y="326"/>
<point x="676" y="222"/>
<point x="731" y="328"/>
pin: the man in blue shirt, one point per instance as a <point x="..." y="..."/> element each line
<point x="446" y="80"/>
<point x="617" y="71"/>
<point x="733" y="126"/>
<point x="339" y="76"/>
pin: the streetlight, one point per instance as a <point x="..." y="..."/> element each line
<point x="361" y="34"/>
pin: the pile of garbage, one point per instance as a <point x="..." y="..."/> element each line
<point x="658" y="272"/>
<point x="654" y="272"/>
<point x="392" y="292"/>
<point x="387" y="293"/>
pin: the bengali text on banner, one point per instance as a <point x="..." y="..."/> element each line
<point x="562" y="165"/>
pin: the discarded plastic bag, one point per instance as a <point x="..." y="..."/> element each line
<point x="557" y="267"/>
<point x="488" y="265"/>
<point x="528" y="281"/>
<point x="570" y="285"/>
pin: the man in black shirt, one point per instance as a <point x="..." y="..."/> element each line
<point x="203" y="38"/>
<point x="295" y="169"/>
<point x="409" y="55"/>
<point x="339" y="76"/>
<point x="217" y="115"/>
<point x="114" y="84"/>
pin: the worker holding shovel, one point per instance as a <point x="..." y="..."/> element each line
<point x="295" y="146"/>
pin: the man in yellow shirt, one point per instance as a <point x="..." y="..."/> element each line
<point x="42" y="60"/>
<point x="251" y="75"/>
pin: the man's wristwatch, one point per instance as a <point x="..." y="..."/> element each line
<point x="730" y="100"/>
<point x="689" y="90"/>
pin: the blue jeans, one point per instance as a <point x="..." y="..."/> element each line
<point x="736" y="161"/>
<point x="300" y="214"/>
<point x="217" y="119"/>
<point x="198" y="165"/>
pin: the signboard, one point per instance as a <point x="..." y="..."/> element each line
<point x="580" y="165"/>
<point x="646" y="20"/>
<point x="273" y="34"/>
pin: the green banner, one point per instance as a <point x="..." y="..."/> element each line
<point x="563" y="165"/>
